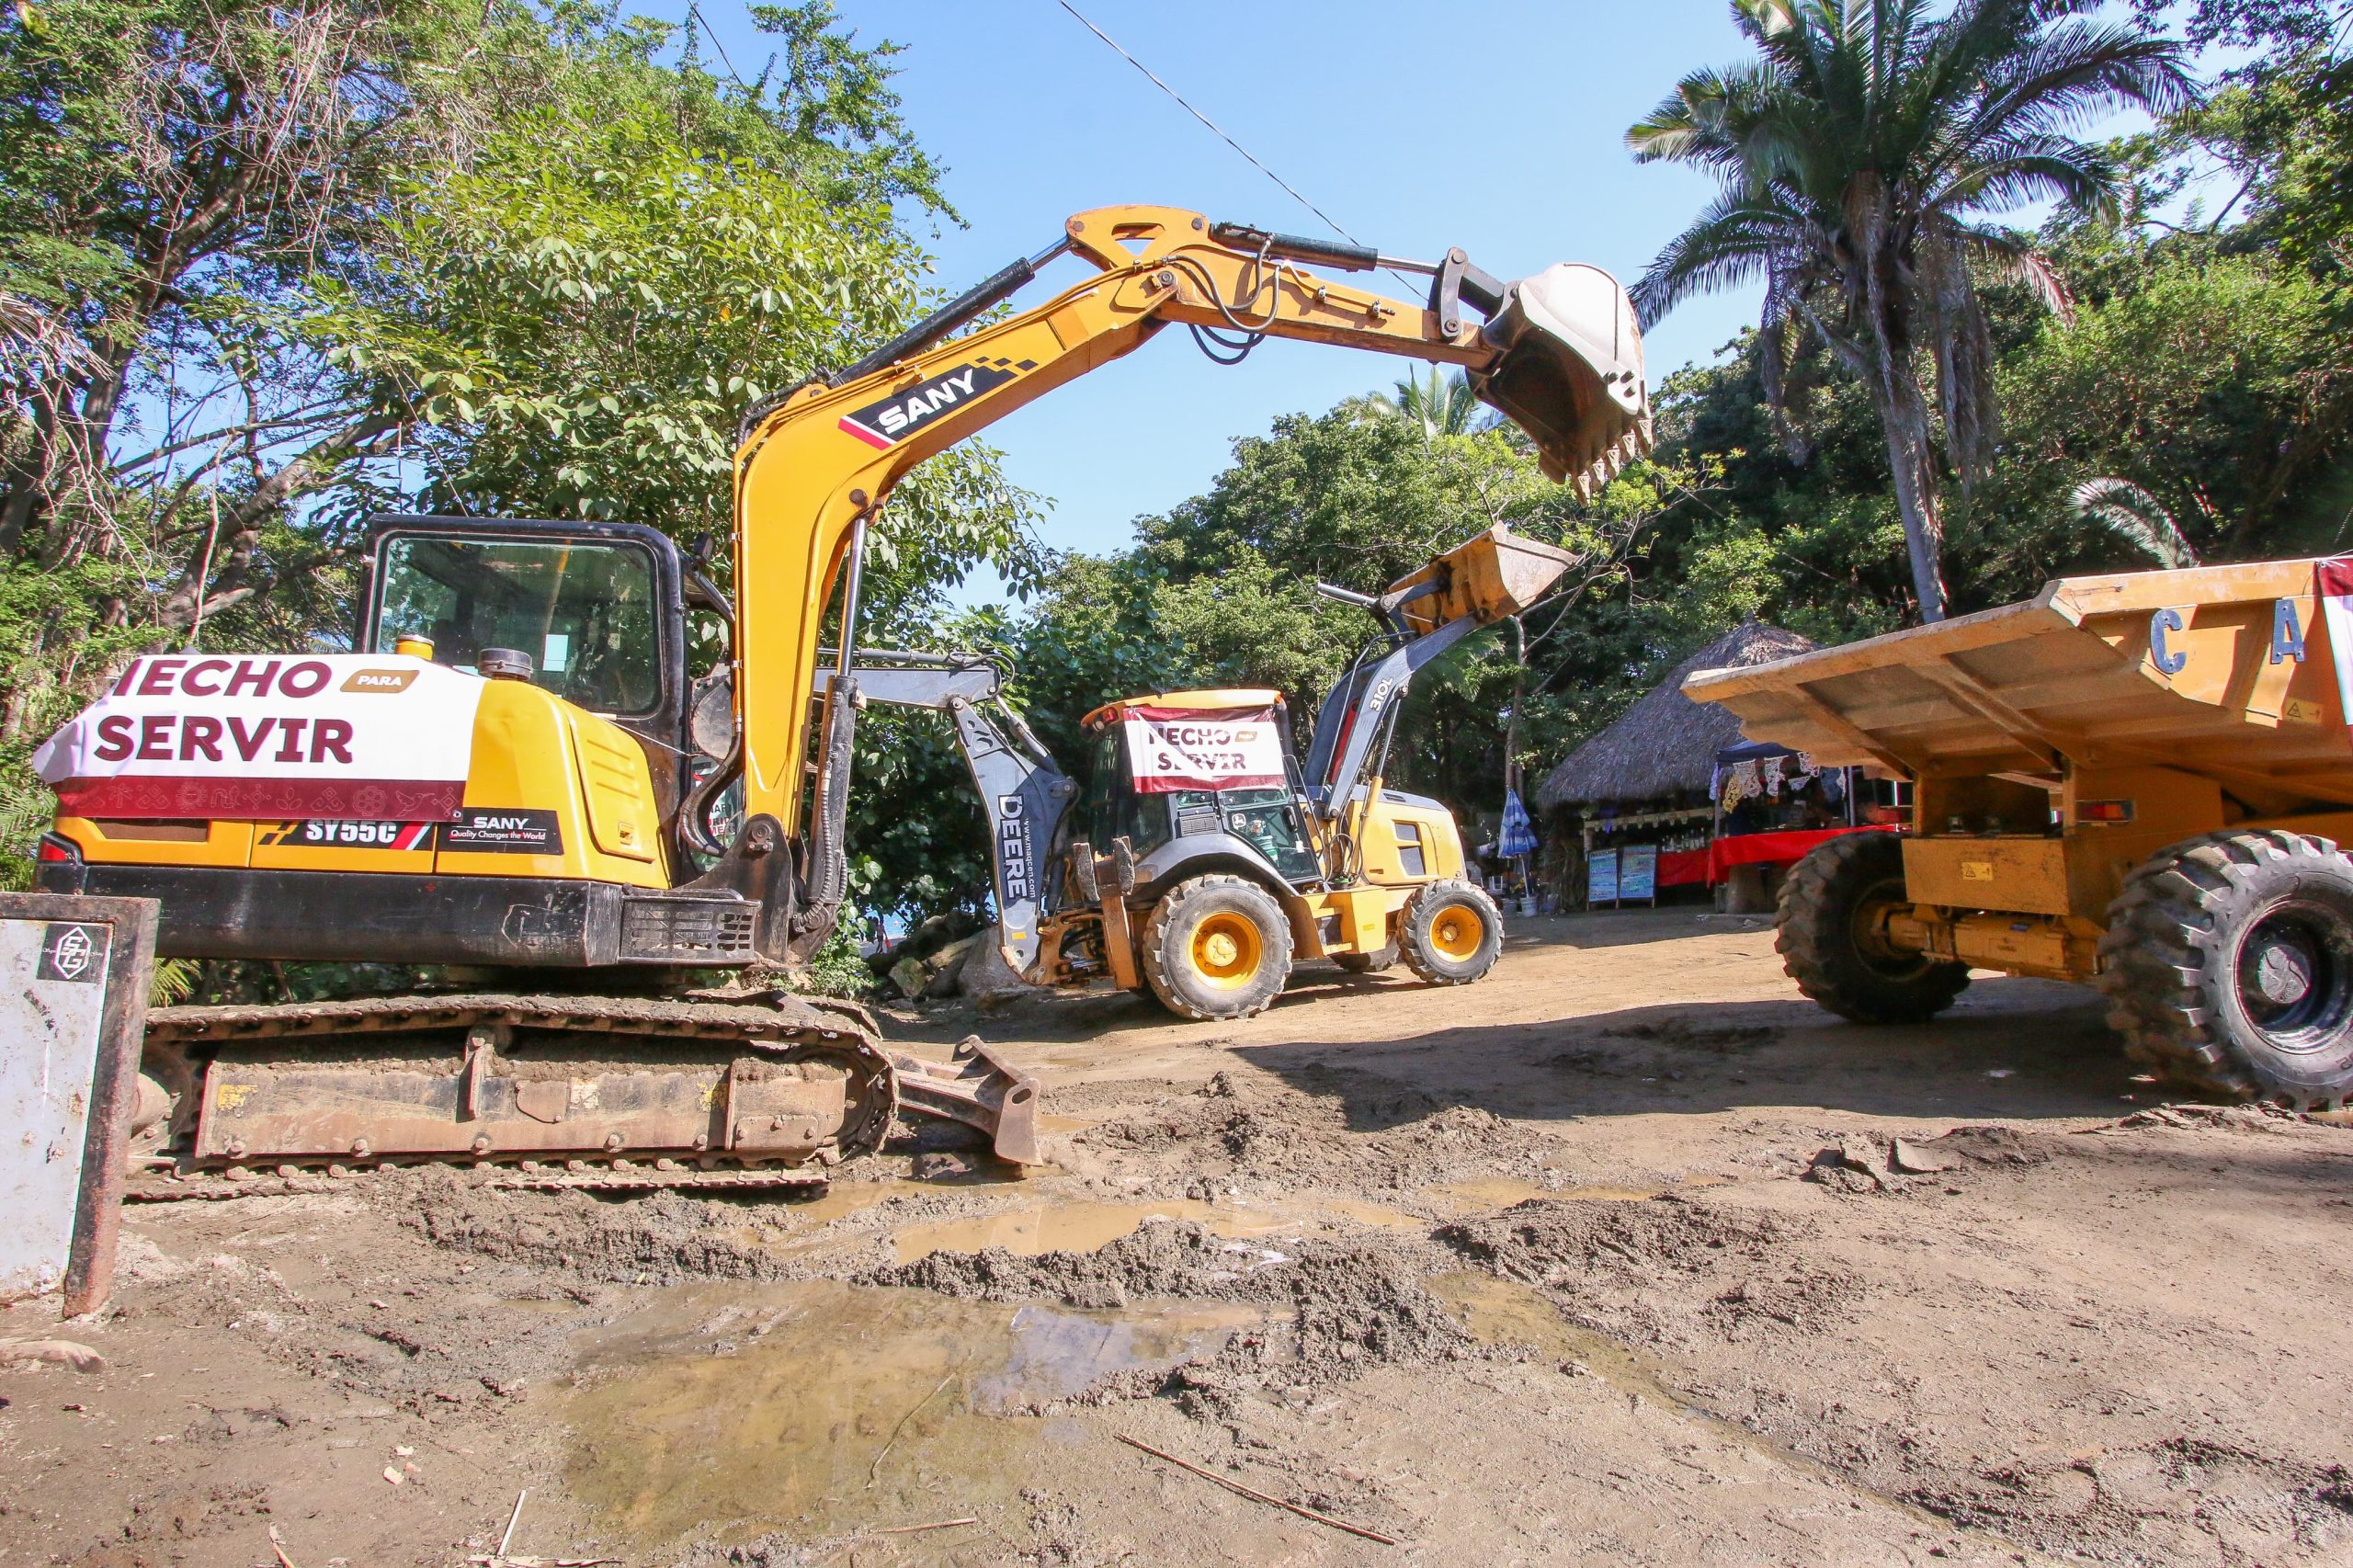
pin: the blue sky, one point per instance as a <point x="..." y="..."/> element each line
<point x="1495" y="125"/>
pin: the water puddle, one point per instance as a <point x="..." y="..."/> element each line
<point x="1065" y="1225"/>
<point x="820" y="1408"/>
<point x="1504" y="1312"/>
<point x="1502" y="1192"/>
<point x="1033" y="1229"/>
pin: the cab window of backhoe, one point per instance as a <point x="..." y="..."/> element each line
<point x="1114" y="809"/>
<point x="584" y="612"/>
<point x="1266" y="820"/>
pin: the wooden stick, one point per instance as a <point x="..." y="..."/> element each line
<point x="504" y="1540"/>
<point x="942" y="1524"/>
<point x="277" y="1545"/>
<point x="1260" y="1497"/>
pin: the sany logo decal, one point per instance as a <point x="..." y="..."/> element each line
<point x="885" y="424"/>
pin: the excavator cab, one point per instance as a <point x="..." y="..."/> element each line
<point x="592" y="613"/>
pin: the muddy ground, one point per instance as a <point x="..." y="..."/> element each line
<point x="1616" y="1258"/>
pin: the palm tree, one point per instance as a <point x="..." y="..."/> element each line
<point x="1861" y="153"/>
<point x="1441" y="405"/>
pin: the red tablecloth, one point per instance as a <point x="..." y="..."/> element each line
<point x="1682" y="867"/>
<point x="1770" y="849"/>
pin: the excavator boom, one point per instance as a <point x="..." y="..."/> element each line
<point x="1560" y="353"/>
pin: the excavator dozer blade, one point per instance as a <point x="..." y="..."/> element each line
<point x="1571" y="374"/>
<point x="980" y="1089"/>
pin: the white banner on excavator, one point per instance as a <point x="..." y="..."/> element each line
<point x="377" y="737"/>
<point x="1177" y="748"/>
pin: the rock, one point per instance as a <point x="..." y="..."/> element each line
<point x="1852" y="1165"/>
<point x="943" y="1165"/>
<point x="910" y="976"/>
<point x="987" y="975"/>
<point x="58" y="1352"/>
<point x="946" y="965"/>
<point x="1916" y="1159"/>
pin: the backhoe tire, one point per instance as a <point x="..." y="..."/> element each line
<point x="1824" y="925"/>
<point x="2228" y="967"/>
<point x="1372" y="962"/>
<point x="1450" y="932"/>
<point x="1215" y="947"/>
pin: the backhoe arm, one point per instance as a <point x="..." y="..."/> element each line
<point x="1560" y="353"/>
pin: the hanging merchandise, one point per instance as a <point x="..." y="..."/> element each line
<point x="1740" y="783"/>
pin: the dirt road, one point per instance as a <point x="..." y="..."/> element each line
<point x="1616" y="1258"/>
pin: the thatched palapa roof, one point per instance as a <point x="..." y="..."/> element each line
<point x="1665" y="744"/>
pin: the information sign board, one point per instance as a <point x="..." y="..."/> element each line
<point x="73" y="977"/>
<point x="1638" y="873"/>
<point x="1601" y="877"/>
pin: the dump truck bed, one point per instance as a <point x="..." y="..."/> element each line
<point x="2223" y="671"/>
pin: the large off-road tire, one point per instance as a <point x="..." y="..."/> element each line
<point x="2228" y="966"/>
<point x="1216" y="947"/>
<point x="1450" y="932"/>
<point x="1372" y="962"/>
<point x="1825" y="928"/>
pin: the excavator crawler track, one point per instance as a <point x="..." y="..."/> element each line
<point x="546" y="1091"/>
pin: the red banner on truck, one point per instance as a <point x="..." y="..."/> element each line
<point x="264" y="738"/>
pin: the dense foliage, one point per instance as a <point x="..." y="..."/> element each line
<point x="267" y="268"/>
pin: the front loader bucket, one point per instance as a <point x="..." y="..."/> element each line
<point x="1571" y="374"/>
<point x="1487" y="577"/>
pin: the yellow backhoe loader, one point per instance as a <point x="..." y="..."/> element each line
<point x="1203" y="860"/>
<point x="503" y="776"/>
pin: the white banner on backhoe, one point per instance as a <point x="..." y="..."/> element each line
<point x="1173" y="748"/>
<point x="267" y="737"/>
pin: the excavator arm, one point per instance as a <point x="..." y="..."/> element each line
<point x="1560" y="353"/>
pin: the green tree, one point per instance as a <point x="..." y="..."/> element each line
<point x="1859" y="153"/>
<point x="509" y="261"/>
<point x="1440" y="402"/>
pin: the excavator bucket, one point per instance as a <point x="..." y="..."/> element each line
<point x="1487" y="577"/>
<point x="1571" y="374"/>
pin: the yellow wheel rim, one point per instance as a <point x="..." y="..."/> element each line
<point x="1227" y="950"/>
<point x="1457" y="932"/>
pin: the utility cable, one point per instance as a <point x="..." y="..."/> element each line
<point x="694" y="15"/>
<point x="1219" y="131"/>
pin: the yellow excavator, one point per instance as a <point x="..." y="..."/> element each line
<point x="511" y="774"/>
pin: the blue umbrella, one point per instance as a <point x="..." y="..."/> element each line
<point x="1519" y="835"/>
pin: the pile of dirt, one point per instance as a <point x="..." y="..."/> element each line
<point x="654" y="1238"/>
<point x="1340" y="1308"/>
<point x="1341" y="1126"/>
<point x="1661" y="1269"/>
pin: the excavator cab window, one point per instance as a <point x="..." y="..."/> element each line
<point x="584" y="612"/>
<point x="596" y="605"/>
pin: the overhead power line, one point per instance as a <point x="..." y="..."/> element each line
<point x="1290" y="189"/>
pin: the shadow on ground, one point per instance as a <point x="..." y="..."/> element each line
<point x="2013" y="1049"/>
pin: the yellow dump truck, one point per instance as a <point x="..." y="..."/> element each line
<point x="2138" y="780"/>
